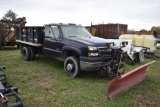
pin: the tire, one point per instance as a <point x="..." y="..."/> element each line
<point x="71" y="67"/>
<point x="0" y="42"/>
<point x="32" y="52"/>
<point x="26" y="53"/>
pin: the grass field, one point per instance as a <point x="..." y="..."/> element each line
<point x="43" y="83"/>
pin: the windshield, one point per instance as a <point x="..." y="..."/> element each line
<point x="75" y="31"/>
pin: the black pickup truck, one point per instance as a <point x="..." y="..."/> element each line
<point x="72" y="44"/>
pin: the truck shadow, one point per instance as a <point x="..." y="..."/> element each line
<point x="9" y="48"/>
<point x="93" y="75"/>
<point x="59" y="65"/>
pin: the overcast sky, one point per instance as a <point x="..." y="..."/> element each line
<point x="138" y="14"/>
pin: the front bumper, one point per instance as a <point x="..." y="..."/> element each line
<point x="93" y="63"/>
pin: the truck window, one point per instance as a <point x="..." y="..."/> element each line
<point x="75" y="31"/>
<point x="54" y="32"/>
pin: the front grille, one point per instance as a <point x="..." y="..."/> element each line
<point x="103" y="51"/>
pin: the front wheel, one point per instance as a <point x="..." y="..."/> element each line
<point x="71" y="66"/>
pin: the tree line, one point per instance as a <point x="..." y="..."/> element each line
<point x="10" y="15"/>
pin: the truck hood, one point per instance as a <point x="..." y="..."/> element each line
<point x="92" y="41"/>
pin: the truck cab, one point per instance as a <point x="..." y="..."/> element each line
<point x="73" y="45"/>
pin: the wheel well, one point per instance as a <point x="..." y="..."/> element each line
<point x="68" y="53"/>
<point x="24" y="45"/>
<point x="136" y="59"/>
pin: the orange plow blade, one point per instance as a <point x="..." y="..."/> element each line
<point x="125" y="81"/>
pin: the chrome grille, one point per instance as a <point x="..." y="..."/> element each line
<point x="103" y="51"/>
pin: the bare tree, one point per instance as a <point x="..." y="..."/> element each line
<point x="10" y="15"/>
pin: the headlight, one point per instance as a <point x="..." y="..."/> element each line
<point x="92" y="54"/>
<point x="92" y="48"/>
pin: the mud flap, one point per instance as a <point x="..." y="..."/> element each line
<point x="125" y="81"/>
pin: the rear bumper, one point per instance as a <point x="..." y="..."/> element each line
<point x="93" y="63"/>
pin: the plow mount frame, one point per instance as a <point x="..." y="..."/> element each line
<point x="125" y="81"/>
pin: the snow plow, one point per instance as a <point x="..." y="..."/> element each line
<point x="123" y="82"/>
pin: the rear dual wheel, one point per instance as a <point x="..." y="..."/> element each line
<point x="32" y="52"/>
<point x="28" y="53"/>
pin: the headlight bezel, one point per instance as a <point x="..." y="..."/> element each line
<point x="93" y="51"/>
<point x="92" y="48"/>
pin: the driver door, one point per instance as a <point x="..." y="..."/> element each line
<point x="52" y="39"/>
